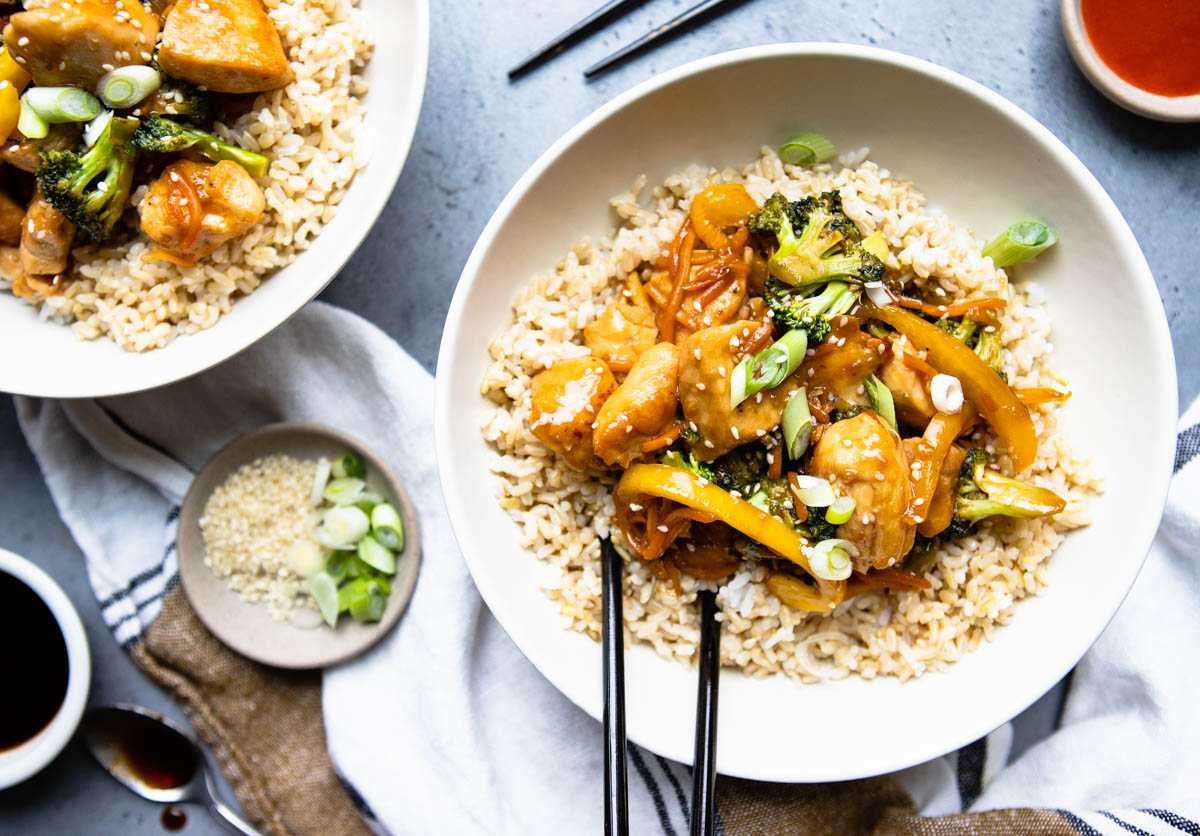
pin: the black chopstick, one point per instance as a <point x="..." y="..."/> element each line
<point x="704" y="762"/>
<point x="593" y="22"/>
<point x="616" y="792"/>
<point x="675" y="26"/>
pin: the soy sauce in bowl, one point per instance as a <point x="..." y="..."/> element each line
<point x="34" y="661"/>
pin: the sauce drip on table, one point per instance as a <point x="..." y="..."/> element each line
<point x="33" y="657"/>
<point x="173" y="818"/>
<point x="1152" y="44"/>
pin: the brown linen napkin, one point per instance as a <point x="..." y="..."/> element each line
<point x="263" y="724"/>
<point x="871" y="807"/>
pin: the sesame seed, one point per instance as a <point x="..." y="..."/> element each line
<point x="708" y="444"/>
<point x="701" y="386"/>
<point x="696" y="353"/>
<point x="920" y="500"/>
<point x="692" y="424"/>
<point x="629" y="429"/>
<point x="736" y="434"/>
<point x="879" y="477"/>
<point x="22" y="41"/>
<point x="697" y="306"/>
<point x="758" y="397"/>
<point x="847" y="443"/>
<point x="865" y="519"/>
<point x="721" y="371"/>
<point x="918" y="520"/>
<point x="707" y="320"/>
<point x="633" y="506"/>
<point x="663" y="528"/>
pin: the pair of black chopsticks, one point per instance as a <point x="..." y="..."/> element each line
<point x="608" y="13"/>
<point x="704" y="762"/>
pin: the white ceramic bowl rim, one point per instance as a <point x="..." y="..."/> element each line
<point x="1102" y="77"/>
<point x="31" y="757"/>
<point x="1017" y="695"/>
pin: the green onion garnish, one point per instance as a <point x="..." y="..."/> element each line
<point x="797" y="424"/>
<point x="840" y="511"/>
<point x="30" y="123"/>
<point x="324" y="590"/>
<point x="768" y="368"/>
<point x="351" y="466"/>
<point x="830" y="559"/>
<point x="336" y="564"/>
<point x="806" y="149"/>
<point x="388" y="527"/>
<point x="881" y="400"/>
<point x="369" y="604"/>
<point x="62" y="104"/>
<point x="814" y="491"/>
<point x="343" y="491"/>
<point x="1020" y="242"/>
<point x="376" y="555"/>
<point x="126" y="86"/>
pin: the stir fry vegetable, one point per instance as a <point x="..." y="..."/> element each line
<point x="126" y="86"/>
<point x="806" y="149"/>
<point x="1020" y="242"/>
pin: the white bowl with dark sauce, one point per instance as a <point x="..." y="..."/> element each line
<point x="47" y="669"/>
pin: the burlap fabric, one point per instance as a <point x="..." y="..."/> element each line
<point x="264" y="726"/>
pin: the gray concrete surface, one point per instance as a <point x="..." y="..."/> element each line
<point x="478" y="133"/>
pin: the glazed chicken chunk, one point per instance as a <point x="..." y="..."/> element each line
<point x="46" y="238"/>
<point x="77" y="41"/>
<point x="709" y="358"/>
<point x="909" y="388"/>
<point x="625" y="330"/>
<point x="230" y="46"/>
<point x="862" y="457"/>
<point x="844" y="361"/>
<point x="193" y="208"/>
<point x="566" y="398"/>
<point x="642" y="408"/>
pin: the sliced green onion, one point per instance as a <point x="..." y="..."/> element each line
<point x="370" y="498"/>
<point x="345" y="525"/>
<point x="840" y="511"/>
<point x="126" y="86"/>
<point x="383" y="583"/>
<point x="95" y="128"/>
<point x="30" y="123"/>
<point x="881" y="400"/>
<point x="325" y="592"/>
<point x="62" y="104"/>
<point x="369" y="606"/>
<point x="814" y="491"/>
<point x="320" y="480"/>
<point x="351" y="591"/>
<point x="343" y="491"/>
<point x="830" y="559"/>
<point x="354" y="467"/>
<point x="336" y="565"/>
<point x="376" y="555"/>
<point x="806" y="149"/>
<point x="306" y="557"/>
<point x="1020" y="242"/>
<point x="797" y="424"/>
<point x="769" y="367"/>
<point x="388" y="527"/>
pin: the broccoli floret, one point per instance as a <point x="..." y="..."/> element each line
<point x="742" y="469"/>
<point x="92" y="189"/>
<point x="163" y="135"/>
<point x="845" y="409"/>
<point x="673" y="458"/>
<point x="176" y="98"/>
<point x="816" y="528"/>
<point x="964" y="330"/>
<point x="817" y="241"/>
<point x="810" y="309"/>
<point x="984" y="493"/>
<point x="752" y="549"/>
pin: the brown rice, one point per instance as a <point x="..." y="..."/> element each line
<point x="561" y="512"/>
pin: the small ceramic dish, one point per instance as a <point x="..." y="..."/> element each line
<point x="29" y="758"/>
<point x="1120" y="91"/>
<point x="249" y="628"/>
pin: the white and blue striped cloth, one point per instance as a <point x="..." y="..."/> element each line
<point x="446" y="728"/>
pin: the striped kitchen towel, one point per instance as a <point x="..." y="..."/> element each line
<point x="446" y="728"/>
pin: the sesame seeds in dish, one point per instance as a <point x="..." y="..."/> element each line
<point x="883" y="599"/>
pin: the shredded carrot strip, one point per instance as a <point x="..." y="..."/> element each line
<point x="1037" y="395"/>
<point x="775" y="468"/>
<point x="915" y="363"/>
<point x="681" y="268"/>
<point x="664" y="440"/>
<point x="977" y="309"/>
<point x="195" y="212"/>
<point x="163" y="255"/>
<point x="800" y="509"/>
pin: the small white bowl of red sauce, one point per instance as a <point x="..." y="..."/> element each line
<point x="1145" y="56"/>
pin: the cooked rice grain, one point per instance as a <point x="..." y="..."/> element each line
<point x="310" y="129"/>
<point x="561" y="513"/>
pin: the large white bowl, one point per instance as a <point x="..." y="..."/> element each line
<point x="984" y="162"/>
<point x="47" y="359"/>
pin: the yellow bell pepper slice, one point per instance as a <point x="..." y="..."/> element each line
<point x="719" y="207"/>
<point x="688" y="489"/>
<point x="10" y="109"/>
<point x="984" y="389"/>
<point x="12" y="72"/>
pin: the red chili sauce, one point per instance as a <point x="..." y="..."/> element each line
<point x="1152" y="44"/>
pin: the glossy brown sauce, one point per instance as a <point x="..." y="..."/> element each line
<point x="154" y="754"/>
<point x="173" y="818"/>
<point x="33" y="656"/>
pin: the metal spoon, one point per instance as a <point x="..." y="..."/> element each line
<point x="155" y="759"/>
